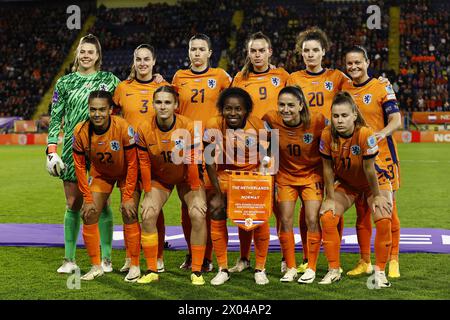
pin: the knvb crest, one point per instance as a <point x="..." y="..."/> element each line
<point x="355" y="149"/>
<point x="307" y="138"/>
<point x="179" y="144"/>
<point x="367" y="98"/>
<point x="250" y="141"/>
<point x="212" y="83"/>
<point x="329" y="85"/>
<point x="115" y="146"/>
<point x="275" y="81"/>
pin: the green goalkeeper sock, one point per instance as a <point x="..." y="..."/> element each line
<point x="71" y="229"/>
<point x="106" y="225"/>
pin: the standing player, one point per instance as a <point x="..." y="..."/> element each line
<point x="263" y="84"/>
<point x="161" y="140"/>
<point x="378" y="105"/>
<point x="134" y="98"/>
<point x="199" y="88"/>
<point x="319" y="86"/>
<point x="107" y="143"/>
<point x="350" y="156"/>
<point x="235" y="107"/>
<point x="299" y="174"/>
<point x="70" y="106"/>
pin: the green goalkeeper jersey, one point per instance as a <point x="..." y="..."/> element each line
<point x="70" y="106"/>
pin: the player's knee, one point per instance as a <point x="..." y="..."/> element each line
<point x="313" y="223"/>
<point x="197" y="215"/>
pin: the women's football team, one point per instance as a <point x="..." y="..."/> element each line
<point x="336" y="149"/>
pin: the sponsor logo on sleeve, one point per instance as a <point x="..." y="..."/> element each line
<point x="371" y="141"/>
<point x="322" y="145"/>
<point x="55" y="97"/>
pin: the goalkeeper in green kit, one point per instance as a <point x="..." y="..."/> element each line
<point x="70" y="106"/>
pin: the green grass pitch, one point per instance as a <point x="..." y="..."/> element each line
<point x="29" y="195"/>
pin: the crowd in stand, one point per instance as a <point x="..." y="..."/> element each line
<point x="425" y="57"/>
<point x="35" y="42"/>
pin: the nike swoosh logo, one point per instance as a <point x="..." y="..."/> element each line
<point x="184" y="83"/>
<point x="129" y="94"/>
<point x="246" y="85"/>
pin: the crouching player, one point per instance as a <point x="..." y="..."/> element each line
<point x="235" y="107"/>
<point x="350" y="152"/>
<point x="166" y="156"/>
<point x="107" y="143"/>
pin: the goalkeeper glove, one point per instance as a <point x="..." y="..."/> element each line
<point x="55" y="166"/>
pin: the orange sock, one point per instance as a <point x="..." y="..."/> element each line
<point x="314" y="240"/>
<point x="395" y="229"/>
<point x="186" y="225"/>
<point x="150" y="248"/>
<point x="245" y="241"/>
<point x="262" y="238"/>
<point x="209" y="246"/>
<point x="219" y="237"/>
<point x="363" y="227"/>
<point x="331" y="241"/>
<point x="91" y="236"/>
<point x="383" y="242"/>
<point x="133" y="241"/>
<point x="198" y="253"/>
<point x="127" y="253"/>
<point x="287" y="244"/>
<point x="303" y="232"/>
<point x="161" y="234"/>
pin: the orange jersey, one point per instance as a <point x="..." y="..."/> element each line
<point x="199" y="92"/>
<point x="300" y="161"/>
<point x="319" y="88"/>
<point x="156" y="148"/>
<point x="376" y="101"/>
<point x="264" y="88"/>
<point x="235" y="150"/>
<point x="112" y="155"/>
<point x="347" y="155"/>
<point x="135" y="99"/>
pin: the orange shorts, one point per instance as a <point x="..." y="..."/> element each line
<point x="383" y="183"/>
<point x="312" y="191"/>
<point x="98" y="184"/>
<point x="162" y="186"/>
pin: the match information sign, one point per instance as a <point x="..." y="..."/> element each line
<point x="250" y="198"/>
